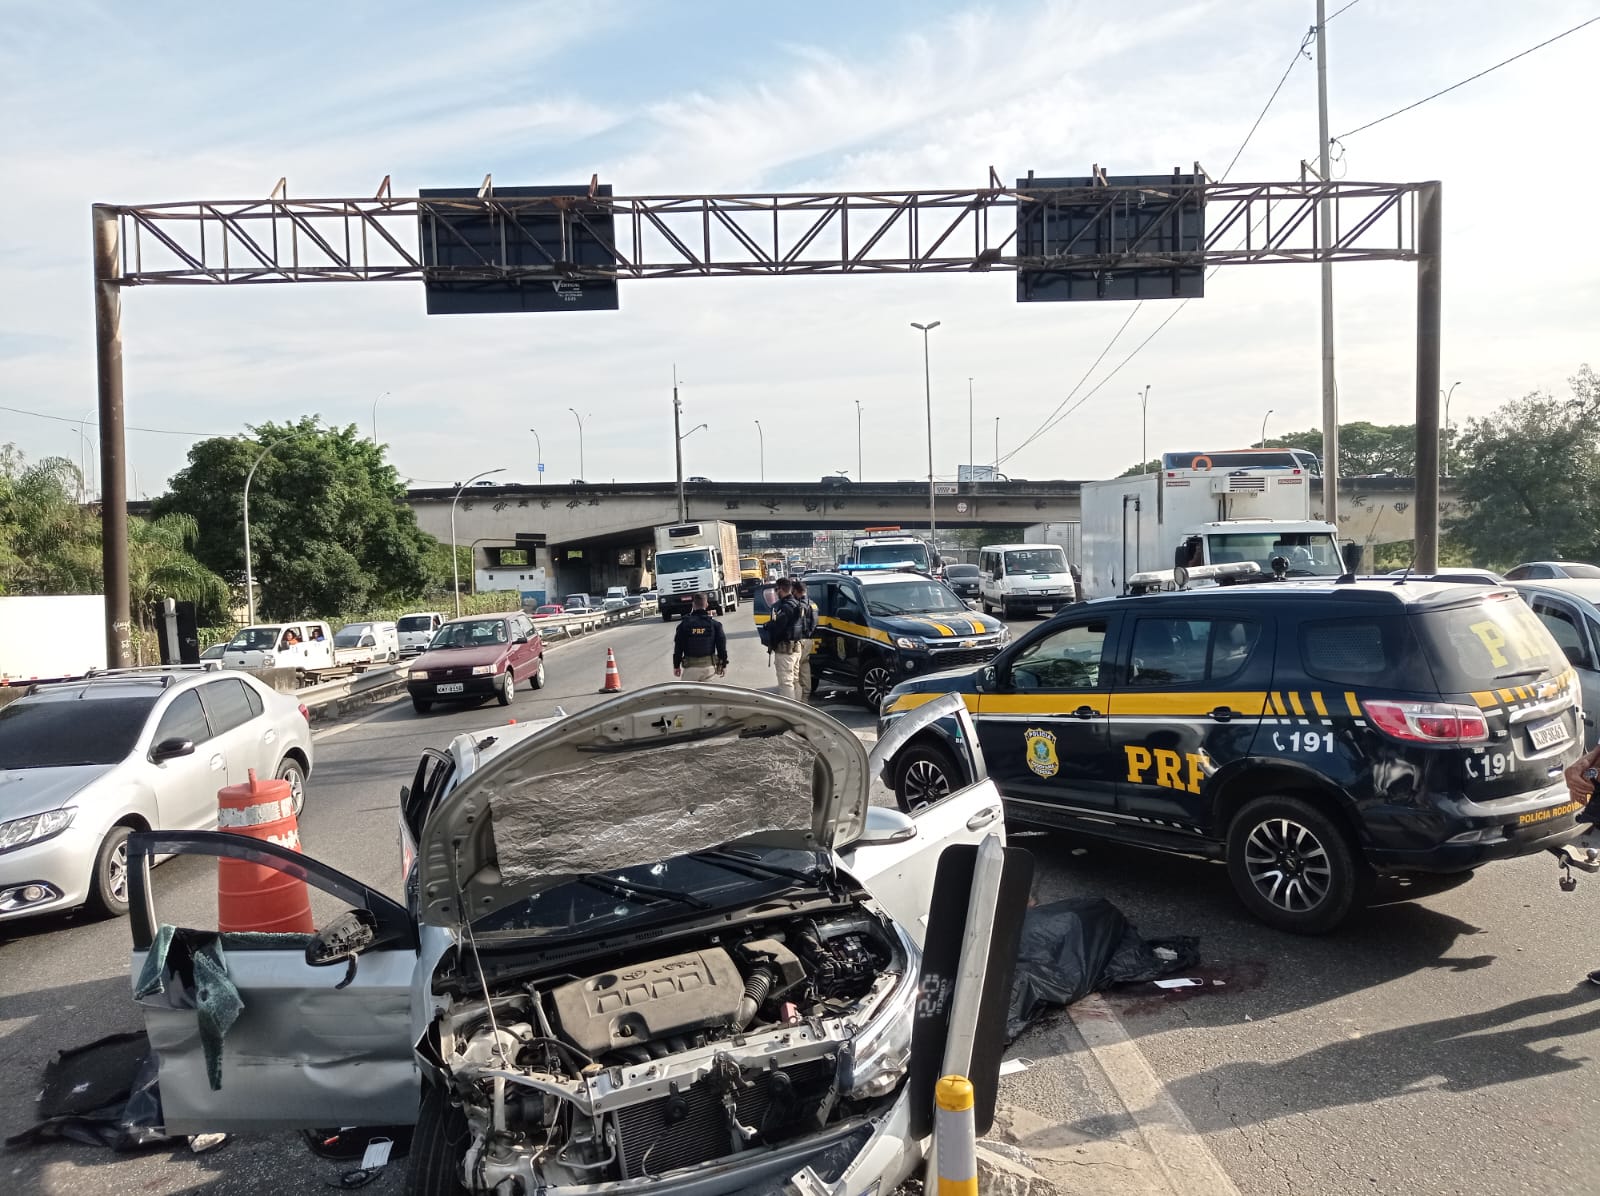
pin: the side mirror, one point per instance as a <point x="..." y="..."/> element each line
<point x="886" y="825"/>
<point x="1180" y="556"/>
<point x="1351" y="552"/>
<point x="521" y="639"/>
<point x="171" y="749"/>
<point x="347" y="936"/>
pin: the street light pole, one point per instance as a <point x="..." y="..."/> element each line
<point x="249" y="567"/>
<point x="677" y="445"/>
<point x="971" y="452"/>
<point x="860" y="477"/>
<point x="582" y="473"/>
<point x="455" y="565"/>
<point x="1144" y="430"/>
<point x="1446" y="454"/>
<point x="538" y="448"/>
<point x="997" y="448"/>
<point x="1264" y="419"/>
<point x="1325" y="239"/>
<point x="375" y="403"/>
<point x="927" y="387"/>
<point x="761" y="440"/>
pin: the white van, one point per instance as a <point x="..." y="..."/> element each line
<point x="1024" y="577"/>
<point x="301" y="644"/>
<point x="416" y="630"/>
<point x="381" y="641"/>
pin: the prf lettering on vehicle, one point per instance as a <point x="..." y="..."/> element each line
<point x="1497" y="639"/>
<point x="1167" y="768"/>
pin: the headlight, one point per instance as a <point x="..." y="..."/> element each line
<point x="419" y="674"/>
<point x="909" y="642"/>
<point x="21" y="831"/>
<point x="482" y="670"/>
<point x="881" y="1052"/>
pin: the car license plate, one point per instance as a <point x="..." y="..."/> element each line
<point x="1046" y="608"/>
<point x="1549" y="734"/>
<point x="450" y="687"/>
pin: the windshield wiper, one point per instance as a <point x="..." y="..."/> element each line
<point x="1532" y="672"/>
<point x="628" y="888"/>
<point x="741" y="863"/>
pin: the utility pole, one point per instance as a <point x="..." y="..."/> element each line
<point x="538" y="448"/>
<point x="1430" y="238"/>
<point x="113" y="479"/>
<point x="972" y="459"/>
<point x="581" y="472"/>
<point x="1330" y="391"/>
<point x="1144" y="430"/>
<point x="860" y="477"/>
<point x="761" y="446"/>
<point x="927" y="385"/>
<point x="677" y="444"/>
<point x="997" y="448"/>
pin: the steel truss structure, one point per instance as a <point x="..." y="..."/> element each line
<point x="279" y="239"/>
<point x="383" y="239"/>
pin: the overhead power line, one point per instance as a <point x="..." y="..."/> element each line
<point x="92" y="423"/>
<point x="1469" y="79"/>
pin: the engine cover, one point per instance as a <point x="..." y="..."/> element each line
<point x="642" y="1002"/>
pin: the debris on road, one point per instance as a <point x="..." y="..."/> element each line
<point x="103" y="1094"/>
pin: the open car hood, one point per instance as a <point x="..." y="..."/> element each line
<point x="666" y="771"/>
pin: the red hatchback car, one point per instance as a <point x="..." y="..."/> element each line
<point x="476" y="657"/>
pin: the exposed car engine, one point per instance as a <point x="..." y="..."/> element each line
<point x="733" y="1042"/>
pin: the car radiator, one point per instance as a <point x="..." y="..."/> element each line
<point x="690" y="1127"/>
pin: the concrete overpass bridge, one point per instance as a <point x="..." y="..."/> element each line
<point x="587" y="537"/>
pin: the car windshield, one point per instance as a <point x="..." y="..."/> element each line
<point x="415" y="623"/>
<point x="254" y="639"/>
<point x="961" y="571"/>
<point x="1488" y="644"/>
<point x="350" y="637"/>
<point x="911" y="598"/>
<point x="470" y="633"/>
<point x="57" y="733"/>
<point x="1036" y="560"/>
<point x="1310" y="554"/>
<point x="735" y="874"/>
<point x="1589" y="571"/>
<point x="685" y="560"/>
<point x="893" y="554"/>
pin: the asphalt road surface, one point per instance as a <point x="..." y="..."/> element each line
<point x="1442" y="1043"/>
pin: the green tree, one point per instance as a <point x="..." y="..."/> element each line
<point x="1363" y="447"/>
<point x="1526" y="477"/>
<point x="329" y="528"/>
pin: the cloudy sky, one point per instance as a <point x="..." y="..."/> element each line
<point x="148" y="102"/>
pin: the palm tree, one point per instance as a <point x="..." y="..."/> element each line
<point x="161" y="565"/>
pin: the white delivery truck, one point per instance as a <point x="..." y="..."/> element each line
<point x="697" y="558"/>
<point x="1246" y="514"/>
<point x="366" y="643"/>
<point x="1013" y="578"/>
<point x="52" y="636"/>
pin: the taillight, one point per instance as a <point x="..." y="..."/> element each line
<point x="1428" y="722"/>
<point x="305" y="713"/>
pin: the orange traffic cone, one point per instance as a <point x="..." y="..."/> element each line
<point x="252" y="896"/>
<point x="613" y="683"/>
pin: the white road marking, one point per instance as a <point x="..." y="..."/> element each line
<point x="1187" y="1163"/>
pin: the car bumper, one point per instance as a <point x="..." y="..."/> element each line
<point x="1036" y="602"/>
<point x="471" y="687"/>
<point x="1473" y="833"/>
<point x="60" y="864"/>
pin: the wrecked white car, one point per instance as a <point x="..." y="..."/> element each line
<point x="664" y="945"/>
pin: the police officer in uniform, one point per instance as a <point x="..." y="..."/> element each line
<point x="806" y="628"/>
<point x="784" y="633"/>
<point x="700" y="647"/>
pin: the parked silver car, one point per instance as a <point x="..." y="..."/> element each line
<point x="84" y="763"/>
<point x="1570" y="608"/>
<point x="664" y="944"/>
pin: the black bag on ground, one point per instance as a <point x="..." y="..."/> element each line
<point x="1081" y="945"/>
<point x="103" y="1093"/>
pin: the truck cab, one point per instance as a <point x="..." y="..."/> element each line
<point x="1309" y="548"/>
<point x="299" y="644"/>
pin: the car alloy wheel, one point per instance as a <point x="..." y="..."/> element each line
<point x="290" y="771"/>
<point x="876" y="682"/>
<point x="1288" y="865"/>
<point x="537" y="680"/>
<point x="108" y="884"/>
<point x="508" y="688"/>
<point x="925" y="774"/>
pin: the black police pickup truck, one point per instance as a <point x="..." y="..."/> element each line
<point x="1313" y="735"/>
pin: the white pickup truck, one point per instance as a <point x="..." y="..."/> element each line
<point x="303" y="644"/>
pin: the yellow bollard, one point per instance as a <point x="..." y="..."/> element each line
<point x="955" y="1137"/>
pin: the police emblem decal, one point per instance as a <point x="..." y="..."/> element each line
<point x="1041" y="748"/>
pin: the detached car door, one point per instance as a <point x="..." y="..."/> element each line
<point x="252" y="1036"/>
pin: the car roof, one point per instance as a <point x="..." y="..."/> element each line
<point x="149" y="682"/>
<point x="1373" y="591"/>
<point x="494" y="614"/>
<point x="881" y="577"/>
<point x="1587" y="588"/>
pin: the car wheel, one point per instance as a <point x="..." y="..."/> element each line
<point x="291" y="771"/>
<point x="666" y="616"/>
<point x="924" y="773"/>
<point x="438" y="1145"/>
<point x="877" y="679"/>
<point x="537" y="680"/>
<point x="421" y="706"/>
<point x="988" y="609"/>
<point x="1293" y="866"/>
<point x="108" y="884"/>
<point x="508" y="688"/>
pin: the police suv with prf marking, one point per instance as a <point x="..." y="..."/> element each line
<point x="878" y="627"/>
<point x="1313" y="735"/>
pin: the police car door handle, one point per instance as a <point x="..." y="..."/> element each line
<point x="1086" y="712"/>
<point x="1222" y="713"/>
